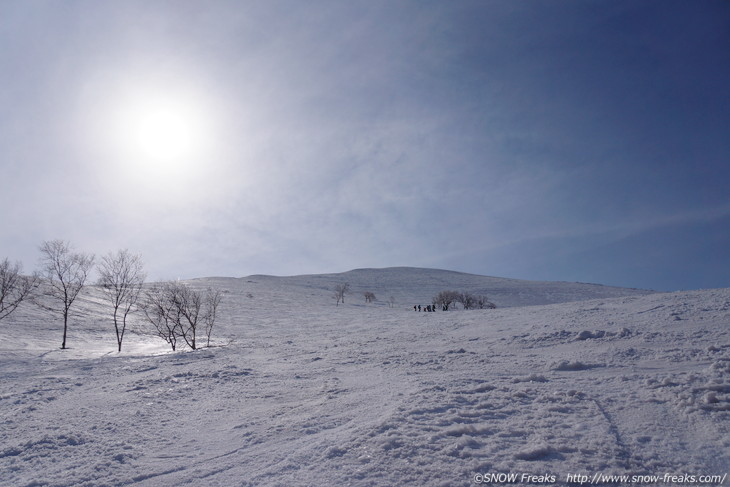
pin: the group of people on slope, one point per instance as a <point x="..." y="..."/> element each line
<point x="429" y="308"/>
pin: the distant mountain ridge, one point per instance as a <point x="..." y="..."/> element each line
<point x="415" y="285"/>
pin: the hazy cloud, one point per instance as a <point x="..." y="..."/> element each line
<point x="491" y="137"/>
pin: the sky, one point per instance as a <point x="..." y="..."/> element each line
<point x="547" y="140"/>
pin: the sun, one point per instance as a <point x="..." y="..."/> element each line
<point x="153" y="138"/>
<point x="160" y="130"/>
<point x="159" y="138"/>
<point x="164" y="130"/>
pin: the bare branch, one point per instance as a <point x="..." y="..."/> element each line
<point x="212" y="300"/>
<point x="177" y="311"/>
<point x="14" y="287"/>
<point x="160" y="310"/>
<point x="121" y="277"/>
<point x="65" y="274"/>
<point x="340" y="291"/>
<point x="445" y="298"/>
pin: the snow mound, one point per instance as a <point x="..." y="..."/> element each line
<point x="566" y="365"/>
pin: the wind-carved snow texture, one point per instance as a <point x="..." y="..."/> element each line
<point x="298" y="391"/>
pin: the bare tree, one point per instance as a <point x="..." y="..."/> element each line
<point x="177" y="311"/>
<point x="121" y="277"/>
<point x="65" y="272"/>
<point x="445" y="298"/>
<point x="369" y="297"/>
<point x="391" y="301"/>
<point x="160" y="310"/>
<point x="340" y="291"/>
<point x="189" y="304"/>
<point x="484" y="303"/>
<point x="467" y="299"/>
<point x="14" y="287"/>
<point x="212" y="300"/>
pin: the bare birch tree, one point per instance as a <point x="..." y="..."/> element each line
<point x="14" y="287"/>
<point x="340" y="291"/>
<point x="121" y="277"/>
<point x="212" y="300"/>
<point x="445" y="298"/>
<point x="160" y="310"/>
<point x="177" y="312"/>
<point x="189" y="304"/>
<point x="65" y="273"/>
<point x="467" y="299"/>
<point x="484" y="303"/>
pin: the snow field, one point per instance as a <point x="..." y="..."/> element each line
<point x="297" y="391"/>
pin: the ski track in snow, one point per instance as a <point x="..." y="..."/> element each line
<point x="298" y="391"/>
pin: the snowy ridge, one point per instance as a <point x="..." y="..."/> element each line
<point x="299" y="391"/>
<point x="409" y="285"/>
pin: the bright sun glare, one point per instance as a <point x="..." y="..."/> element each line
<point x="163" y="130"/>
<point x="153" y="138"/>
<point x="162" y="137"/>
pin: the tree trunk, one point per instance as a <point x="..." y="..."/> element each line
<point x="116" y="329"/>
<point x="65" y="327"/>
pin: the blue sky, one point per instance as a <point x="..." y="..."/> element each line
<point x="571" y="140"/>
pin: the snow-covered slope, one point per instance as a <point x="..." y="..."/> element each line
<point x="298" y="391"/>
<point x="409" y="286"/>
